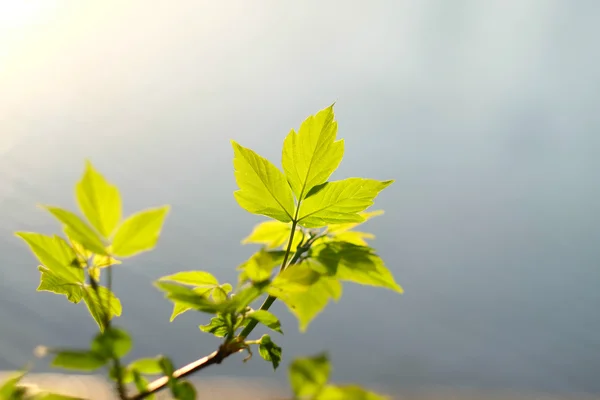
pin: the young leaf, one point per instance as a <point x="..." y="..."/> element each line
<point x="190" y="298"/>
<point x="141" y="383"/>
<point x="78" y="230"/>
<point x="51" y="282"/>
<point x="263" y="187"/>
<point x="10" y="386"/>
<point x="97" y="302"/>
<point x="139" y="232"/>
<point x="311" y="155"/>
<point x="193" y="278"/>
<point x="272" y="234"/>
<point x="359" y="264"/>
<point x="103" y="261"/>
<point x="52" y="396"/>
<point x="309" y="375"/>
<point x="184" y="390"/>
<point x="295" y="278"/>
<point x="340" y="228"/>
<point x="82" y="360"/>
<point x="113" y="342"/>
<point x="266" y="318"/>
<point x="55" y="254"/>
<point x="347" y="392"/>
<point x="217" y="326"/>
<point x="308" y="304"/>
<point x="260" y="265"/>
<point x="354" y="237"/>
<point x="147" y="366"/>
<point x="340" y="202"/>
<point x="99" y="201"/>
<point x="269" y="351"/>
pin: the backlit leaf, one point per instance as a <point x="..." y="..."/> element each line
<point x="263" y="188"/>
<point x="347" y="392"/>
<point x="139" y="232"/>
<point x="359" y="264"/>
<point x="113" y="342"/>
<point x="269" y="351"/>
<point x="273" y="234"/>
<point x="99" y="201"/>
<point x="295" y="278"/>
<point x="55" y="254"/>
<point x="339" y="228"/>
<point x="78" y="229"/>
<point x="97" y="304"/>
<point x="306" y="305"/>
<point x="141" y="383"/>
<point x="51" y="282"/>
<point x="147" y="366"/>
<point x="260" y="265"/>
<point x="309" y="375"/>
<point x="266" y="318"/>
<point x="188" y="297"/>
<point x="103" y="261"/>
<point x="193" y="278"/>
<point x="217" y="326"/>
<point x="81" y="360"/>
<point x="340" y="202"/>
<point x="311" y="155"/>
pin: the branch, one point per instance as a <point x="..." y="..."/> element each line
<point x="225" y="351"/>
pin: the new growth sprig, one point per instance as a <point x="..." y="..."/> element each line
<point x="309" y="248"/>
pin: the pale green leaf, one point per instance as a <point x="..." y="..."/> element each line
<point x="349" y="262"/>
<point x="295" y="278"/>
<point x="354" y="237"/>
<point x="103" y="261"/>
<point x="340" y="202"/>
<point x="97" y="304"/>
<point x="55" y="254"/>
<point x="260" y="265"/>
<point x="269" y="351"/>
<point x="113" y="342"/>
<point x="190" y="298"/>
<point x="139" y="232"/>
<point x="141" y="384"/>
<point x="51" y="282"/>
<point x="77" y="229"/>
<point x="311" y="155"/>
<point x="219" y="294"/>
<point x="81" y="360"/>
<point x="347" y="392"/>
<point x="99" y="201"/>
<point x="340" y="228"/>
<point x="263" y="188"/>
<point x="217" y="326"/>
<point x="306" y="305"/>
<point x="273" y="234"/>
<point x="266" y="318"/>
<point x="52" y="396"/>
<point x="193" y="278"/>
<point x="9" y="387"/>
<point x="147" y="366"/>
<point x="180" y="308"/>
<point x="309" y="375"/>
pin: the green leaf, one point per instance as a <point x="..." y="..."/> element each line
<point x="113" y="342"/>
<point x="147" y="366"/>
<point x="55" y="254"/>
<point x="139" y="232"/>
<point x="354" y="237"/>
<point x="78" y="230"/>
<point x="309" y="375"/>
<point x="180" y="308"/>
<point x="97" y="303"/>
<point x="263" y="187"/>
<point x="190" y="298"/>
<point x="359" y="264"/>
<point x="259" y="266"/>
<point x="273" y="234"/>
<point x="266" y="318"/>
<point x="10" y="387"/>
<point x="184" y="390"/>
<point x="99" y="201"/>
<point x="308" y="304"/>
<point x="219" y="293"/>
<point x="340" y="202"/>
<point x="51" y="282"/>
<point x="141" y="384"/>
<point x="81" y="360"/>
<point x="347" y="392"/>
<point x="193" y="278"/>
<point x="295" y="278"/>
<point x="53" y="396"/>
<point x="218" y="326"/>
<point x="340" y="228"/>
<point x="311" y="155"/>
<point x="269" y="351"/>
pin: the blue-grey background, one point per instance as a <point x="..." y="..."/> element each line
<point x="485" y="113"/>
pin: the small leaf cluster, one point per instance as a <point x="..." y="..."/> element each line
<point x="308" y="249"/>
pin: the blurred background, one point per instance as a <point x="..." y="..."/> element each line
<point x="485" y="113"/>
